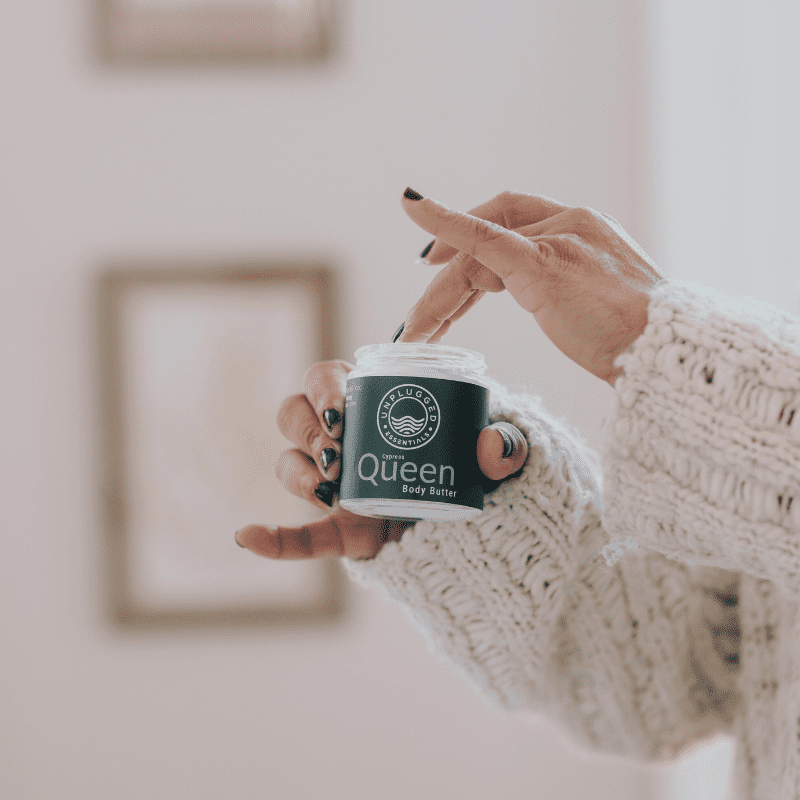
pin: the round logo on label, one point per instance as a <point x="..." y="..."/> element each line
<point x="408" y="416"/>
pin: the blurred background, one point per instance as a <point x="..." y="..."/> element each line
<point x="680" y="119"/>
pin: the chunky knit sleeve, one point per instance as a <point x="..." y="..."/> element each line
<point x="702" y="455"/>
<point x="535" y="607"/>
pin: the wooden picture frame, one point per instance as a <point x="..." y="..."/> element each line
<point x="194" y="363"/>
<point x="162" y="32"/>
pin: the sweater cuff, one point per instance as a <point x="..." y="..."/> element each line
<point x="702" y="447"/>
<point x="486" y="593"/>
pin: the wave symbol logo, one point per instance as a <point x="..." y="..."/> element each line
<point x="407" y="426"/>
<point x="408" y="416"/>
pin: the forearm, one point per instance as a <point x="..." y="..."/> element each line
<point x="702" y="455"/>
<point x="486" y="594"/>
<point x="523" y="603"/>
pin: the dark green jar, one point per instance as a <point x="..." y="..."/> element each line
<point x="413" y="413"/>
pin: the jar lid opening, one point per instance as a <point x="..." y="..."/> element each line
<point x="417" y="350"/>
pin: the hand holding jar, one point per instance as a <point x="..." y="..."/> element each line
<point x="577" y="271"/>
<point x="313" y="421"/>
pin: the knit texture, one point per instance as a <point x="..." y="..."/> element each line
<point x="650" y="604"/>
<point x="702" y="464"/>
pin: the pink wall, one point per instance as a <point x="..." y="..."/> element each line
<point x="460" y="100"/>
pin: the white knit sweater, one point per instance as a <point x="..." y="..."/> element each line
<point x="659" y="609"/>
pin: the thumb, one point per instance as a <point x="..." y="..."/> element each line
<point x="502" y="450"/>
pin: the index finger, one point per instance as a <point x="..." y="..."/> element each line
<point x="324" y="385"/>
<point x="512" y="210"/>
<point x="492" y="245"/>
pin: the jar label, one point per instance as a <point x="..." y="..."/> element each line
<point x="409" y="437"/>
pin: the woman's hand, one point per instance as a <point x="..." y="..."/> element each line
<point x="576" y="270"/>
<point x="313" y="422"/>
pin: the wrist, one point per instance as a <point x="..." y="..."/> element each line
<point x="636" y="319"/>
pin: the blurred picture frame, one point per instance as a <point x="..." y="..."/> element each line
<point x="194" y="363"/>
<point x="226" y="31"/>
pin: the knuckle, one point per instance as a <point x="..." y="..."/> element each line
<point x="513" y="198"/>
<point x="582" y="214"/>
<point x="473" y="234"/>
<point x="587" y="219"/>
<point x="545" y="248"/>
<point x="312" y="439"/>
<point x="310" y="375"/>
<point x="487" y="232"/>
<point x="287" y="411"/>
<point x="505" y="204"/>
<point x="570" y="239"/>
<point x="471" y="270"/>
<point x="584" y="211"/>
<point x="305" y="541"/>
<point x="567" y="249"/>
<point x="314" y="374"/>
<point x="508" y="206"/>
<point x="612" y="220"/>
<point x="307" y="484"/>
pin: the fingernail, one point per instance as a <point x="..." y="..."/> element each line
<point x="331" y="417"/>
<point x="398" y="333"/>
<point x="426" y="251"/>
<point x="325" y="492"/>
<point x="508" y="443"/>
<point x="327" y="457"/>
<point x="411" y="194"/>
<point x="236" y="538"/>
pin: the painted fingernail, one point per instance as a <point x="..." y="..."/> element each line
<point x="508" y="443"/>
<point x="411" y="194"/>
<point x="398" y="333"/>
<point x="427" y="250"/>
<point x="325" y="492"/>
<point x="327" y="457"/>
<point x="331" y="417"/>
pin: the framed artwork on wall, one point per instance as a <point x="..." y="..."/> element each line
<point x="175" y="31"/>
<point x="194" y="365"/>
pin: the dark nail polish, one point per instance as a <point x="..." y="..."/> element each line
<point x="331" y="417"/>
<point x="411" y="194"/>
<point x="325" y="492"/>
<point x="508" y="443"/>
<point x="427" y="249"/>
<point x="398" y="333"/>
<point x="327" y="457"/>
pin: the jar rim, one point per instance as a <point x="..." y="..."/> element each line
<point x="410" y="349"/>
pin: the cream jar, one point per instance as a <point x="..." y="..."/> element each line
<point x="413" y="413"/>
